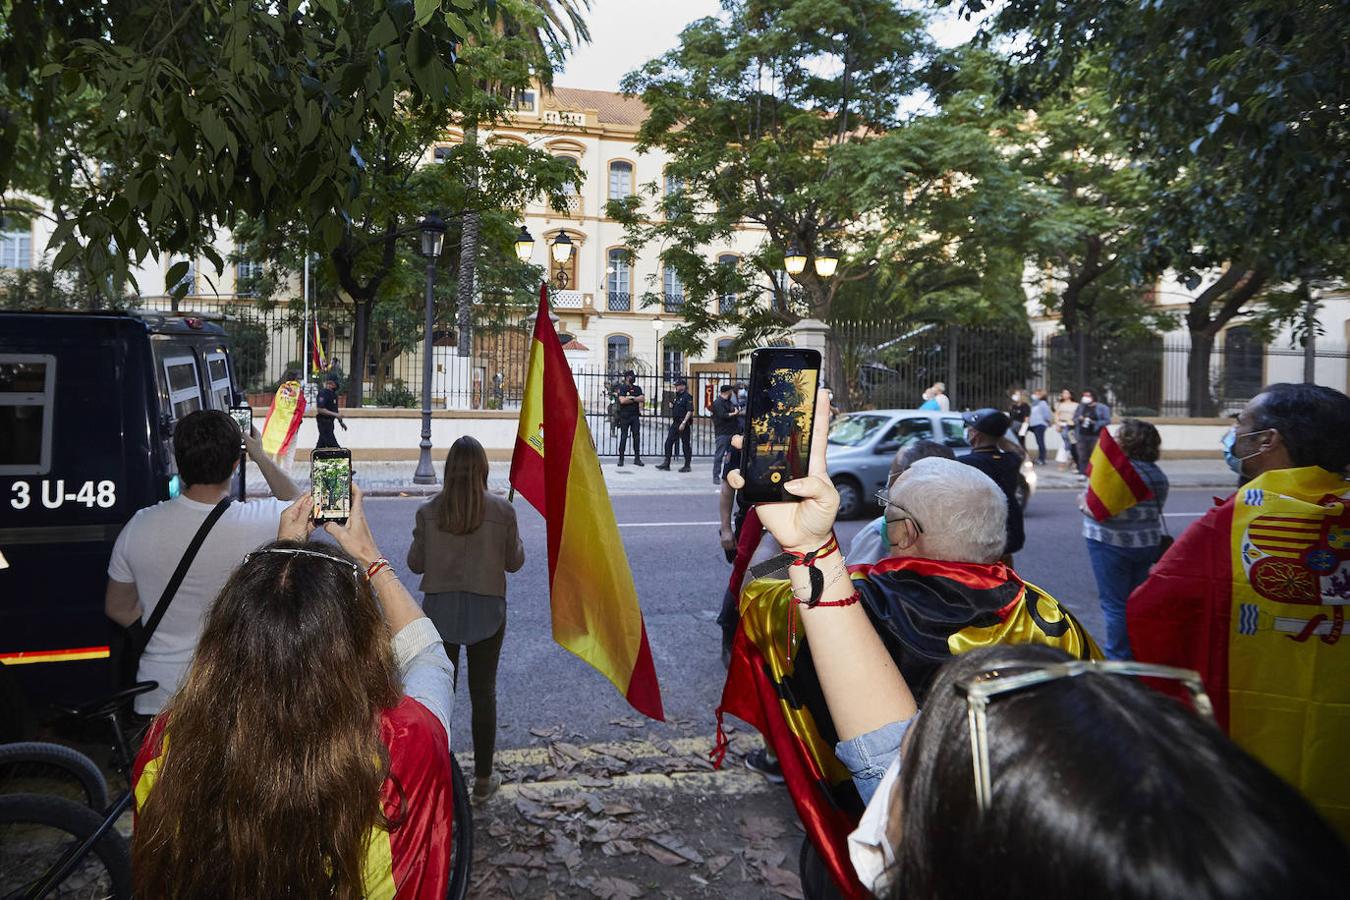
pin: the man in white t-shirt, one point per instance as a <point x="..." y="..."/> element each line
<point x="150" y="546"/>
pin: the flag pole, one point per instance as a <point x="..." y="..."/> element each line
<point x="305" y="360"/>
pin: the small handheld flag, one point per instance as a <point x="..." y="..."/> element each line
<point x="594" y="602"/>
<point x="1113" y="484"/>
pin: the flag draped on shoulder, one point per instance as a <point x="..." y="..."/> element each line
<point x="1253" y="597"/>
<point x="283" y="419"/>
<point x="1113" y="484"/>
<point x="555" y="467"/>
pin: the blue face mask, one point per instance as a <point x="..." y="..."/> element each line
<point x="1229" y="456"/>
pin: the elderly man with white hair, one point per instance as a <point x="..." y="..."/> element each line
<point x="831" y="663"/>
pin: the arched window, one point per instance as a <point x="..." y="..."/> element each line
<point x="618" y="281"/>
<point x="674" y="184"/>
<point x="618" y="348"/>
<point x="673" y="299"/>
<point x="570" y="189"/>
<point x="726" y="301"/>
<point x="620" y="179"/>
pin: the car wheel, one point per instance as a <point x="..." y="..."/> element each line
<point x="1023" y="493"/>
<point x="850" y="497"/>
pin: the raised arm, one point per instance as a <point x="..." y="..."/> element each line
<point x="862" y="685"/>
<point x="355" y="537"/>
<point x="278" y="482"/>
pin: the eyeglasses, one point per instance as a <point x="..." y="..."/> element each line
<point x="296" y="551"/>
<point x="884" y="501"/>
<point x="979" y="690"/>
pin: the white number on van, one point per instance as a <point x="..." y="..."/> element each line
<point x="102" y="494"/>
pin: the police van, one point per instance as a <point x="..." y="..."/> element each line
<point x="88" y="403"/>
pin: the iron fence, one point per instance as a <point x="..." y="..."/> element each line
<point x="889" y="365"/>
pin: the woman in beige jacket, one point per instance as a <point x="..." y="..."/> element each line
<point x="464" y="542"/>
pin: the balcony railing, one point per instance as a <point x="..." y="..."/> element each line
<point x="619" y="301"/>
<point x="726" y="304"/>
<point x="572" y="205"/>
<point x="566" y="299"/>
<point x="672" y="303"/>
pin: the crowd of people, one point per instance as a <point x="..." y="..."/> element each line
<point x="989" y="747"/>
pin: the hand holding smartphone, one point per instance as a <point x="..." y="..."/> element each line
<point x="780" y="410"/>
<point x="331" y="485"/>
<point x="242" y="414"/>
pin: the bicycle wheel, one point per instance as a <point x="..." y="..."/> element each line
<point x="38" y="767"/>
<point x="35" y="831"/>
<point x="461" y="835"/>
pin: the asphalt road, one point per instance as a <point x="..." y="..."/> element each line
<point x="681" y="574"/>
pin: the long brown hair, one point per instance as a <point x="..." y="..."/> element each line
<point x="459" y="506"/>
<point x="271" y="767"/>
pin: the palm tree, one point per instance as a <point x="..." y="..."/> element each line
<point x="554" y="27"/>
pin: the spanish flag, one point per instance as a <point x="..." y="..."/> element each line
<point x="319" y="359"/>
<point x="1253" y="597"/>
<point x="1113" y="484"/>
<point x="595" y="606"/>
<point x="283" y="419"/>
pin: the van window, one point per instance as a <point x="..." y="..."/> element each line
<point x="954" y="432"/>
<point x="185" y="394"/>
<point x="218" y="373"/>
<point x="27" y="394"/>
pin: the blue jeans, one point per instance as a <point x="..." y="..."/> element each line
<point x="1119" y="570"/>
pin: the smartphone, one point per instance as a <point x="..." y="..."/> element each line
<point x="243" y="417"/>
<point x="780" y="407"/>
<point x="330" y="480"/>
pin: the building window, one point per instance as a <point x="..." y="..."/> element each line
<point x="16" y="244"/>
<point x="726" y="350"/>
<point x="619" y="281"/>
<point x="573" y="204"/>
<point x="246" y="275"/>
<point x="441" y="154"/>
<point x="523" y="101"/>
<point x="673" y="299"/>
<point x="672" y="363"/>
<point x="618" y="349"/>
<point x="726" y="301"/>
<point x="620" y="180"/>
<point x="674" y="184"/>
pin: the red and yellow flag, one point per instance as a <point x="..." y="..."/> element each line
<point x="283" y="419"/>
<point x="595" y="606"/>
<point x="318" y="357"/>
<point x="1113" y="484"/>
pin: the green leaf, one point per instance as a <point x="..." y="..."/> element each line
<point x="69" y="250"/>
<point x="330" y="230"/>
<point x="423" y="10"/>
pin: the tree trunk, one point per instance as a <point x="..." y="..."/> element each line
<point x="468" y="252"/>
<point x="1199" y="399"/>
<point x="1309" y="334"/>
<point x="360" y="335"/>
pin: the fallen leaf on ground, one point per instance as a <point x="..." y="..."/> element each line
<point x="784" y="882"/>
<point x="677" y="846"/>
<point x="611" y="888"/>
<point x="662" y="855"/>
<point x="717" y="863"/>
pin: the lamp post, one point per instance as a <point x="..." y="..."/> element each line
<point x="657" y="325"/>
<point x="827" y="261"/>
<point x="794" y="261"/>
<point x="524" y="245"/>
<point x="561" y="248"/>
<point x="433" y="236"/>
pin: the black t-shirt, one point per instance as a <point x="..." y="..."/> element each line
<point x="326" y="400"/>
<point x="681" y="405"/>
<point x="725" y="420"/>
<point x="630" y="411"/>
<point x="1005" y="469"/>
<point x="1019" y="412"/>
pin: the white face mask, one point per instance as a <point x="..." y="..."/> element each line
<point x="1085" y="400"/>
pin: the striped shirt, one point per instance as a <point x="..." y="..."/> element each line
<point x="1141" y="524"/>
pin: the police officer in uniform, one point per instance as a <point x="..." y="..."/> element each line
<point x="630" y="410"/>
<point x="681" y="416"/>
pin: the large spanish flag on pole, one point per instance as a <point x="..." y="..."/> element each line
<point x="595" y="606"/>
<point x="1253" y="596"/>
<point x="1113" y="484"/>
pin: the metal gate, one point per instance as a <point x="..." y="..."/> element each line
<point x="599" y="391"/>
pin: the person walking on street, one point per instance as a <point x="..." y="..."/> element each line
<point x="464" y="542"/>
<point x="1089" y="419"/>
<point x="985" y="429"/>
<point x="681" y="418"/>
<point x="1124" y="547"/>
<point x="1065" y="408"/>
<point x="631" y="399"/>
<point x="152" y="544"/>
<point x="726" y="424"/>
<point x="1039" y="422"/>
<point x="326" y="413"/>
<point x="1019" y="411"/>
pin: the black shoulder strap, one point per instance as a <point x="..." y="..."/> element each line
<point x="181" y="572"/>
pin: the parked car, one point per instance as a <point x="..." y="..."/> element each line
<point x="88" y="403"/>
<point x="862" y="445"/>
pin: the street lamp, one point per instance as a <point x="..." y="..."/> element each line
<point x="524" y="245"/>
<point x="433" y="238"/>
<point x="657" y="325"/>
<point x="827" y="262"/>
<point x="562" y="248"/>
<point x="794" y="261"/>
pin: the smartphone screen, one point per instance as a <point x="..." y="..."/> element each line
<point x="243" y="417"/>
<point x="781" y="404"/>
<point x="331" y="484"/>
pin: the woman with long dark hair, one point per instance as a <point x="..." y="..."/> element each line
<point x="464" y="542"/>
<point x="307" y="753"/>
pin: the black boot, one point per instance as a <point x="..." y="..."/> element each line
<point x="685" y="468"/>
<point x="636" y="461"/>
<point x="665" y="466"/>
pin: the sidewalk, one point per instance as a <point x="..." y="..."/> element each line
<point x="394" y="479"/>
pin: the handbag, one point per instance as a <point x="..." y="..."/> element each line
<point x="136" y="637"/>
